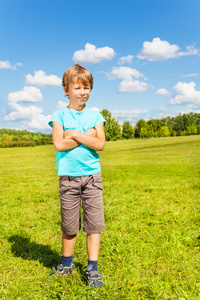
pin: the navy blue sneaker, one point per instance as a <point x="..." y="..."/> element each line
<point x="62" y="271"/>
<point x="93" y="277"/>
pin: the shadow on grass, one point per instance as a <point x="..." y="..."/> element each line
<point x="81" y="270"/>
<point x="24" y="248"/>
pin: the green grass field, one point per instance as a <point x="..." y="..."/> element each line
<point x="151" y="246"/>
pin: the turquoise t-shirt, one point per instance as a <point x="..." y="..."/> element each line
<point x="81" y="160"/>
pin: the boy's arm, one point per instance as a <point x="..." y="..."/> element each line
<point x="96" y="143"/>
<point x="61" y="143"/>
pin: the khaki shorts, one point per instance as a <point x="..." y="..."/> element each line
<point x="72" y="190"/>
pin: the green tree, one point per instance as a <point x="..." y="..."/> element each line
<point x="139" y="125"/>
<point x="112" y="127"/>
<point x="24" y="138"/>
<point x="173" y="133"/>
<point x="155" y="125"/>
<point x="151" y="132"/>
<point x="198" y="129"/>
<point x="163" y="131"/>
<point x="144" y="132"/>
<point x="128" y="131"/>
<point x="191" y="130"/>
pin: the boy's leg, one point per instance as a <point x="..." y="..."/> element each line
<point x="93" y="224"/>
<point x="93" y="246"/>
<point x="67" y="266"/>
<point x="68" y="244"/>
<point x="92" y="202"/>
<point x="69" y="189"/>
<point x="92" y="273"/>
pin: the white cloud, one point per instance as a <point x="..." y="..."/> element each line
<point x="28" y="94"/>
<point x="131" y="86"/>
<point x="38" y="121"/>
<point x="161" y="114"/>
<point x="31" y="116"/>
<point x="128" y="115"/>
<point x="95" y="108"/>
<point x="7" y="65"/>
<point x="158" y="50"/>
<point x="193" y="107"/>
<point x="124" y="73"/>
<point x="185" y="93"/>
<point x="22" y="113"/>
<point x="188" y="109"/>
<point x="125" y="59"/>
<point x="61" y="104"/>
<point x="41" y="79"/>
<point x="128" y="84"/>
<point x="19" y="64"/>
<point x="162" y="92"/>
<point x="191" y="50"/>
<point x="190" y="75"/>
<point x="91" y="54"/>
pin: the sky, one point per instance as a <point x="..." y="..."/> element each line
<point x="144" y="56"/>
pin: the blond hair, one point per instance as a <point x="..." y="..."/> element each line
<point x="78" y="71"/>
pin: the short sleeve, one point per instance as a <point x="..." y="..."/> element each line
<point x="56" y="117"/>
<point x="100" y="119"/>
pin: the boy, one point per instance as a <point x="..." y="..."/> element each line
<point x="77" y="133"/>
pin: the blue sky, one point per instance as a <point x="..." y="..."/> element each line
<point x="144" y="56"/>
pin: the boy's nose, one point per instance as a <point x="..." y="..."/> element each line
<point x="82" y="91"/>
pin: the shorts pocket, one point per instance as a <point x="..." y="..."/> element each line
<point x="63" y="184"/>
<point x="97" y="181"/>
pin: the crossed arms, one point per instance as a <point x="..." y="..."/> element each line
<point x="66" y="140"/>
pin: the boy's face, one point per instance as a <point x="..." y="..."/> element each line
<point x="78" y="94"/>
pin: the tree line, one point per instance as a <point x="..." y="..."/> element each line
<point x="183" y="124"/>
<point x="23" y="138"/>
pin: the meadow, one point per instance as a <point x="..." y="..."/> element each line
<point x="151" y="246"/>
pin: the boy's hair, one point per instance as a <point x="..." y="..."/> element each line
<point x="77" y="71"/>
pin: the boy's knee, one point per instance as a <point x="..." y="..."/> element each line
<point x="70" y="230"/>
<point x="69" y="236"/>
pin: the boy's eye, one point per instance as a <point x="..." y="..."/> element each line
<point x="85" y="88"/>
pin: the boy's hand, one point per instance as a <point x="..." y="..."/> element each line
<point x="93" y="140"/>
<point x="91" y="132"/>
<point x="70" y="133"/>
<point x="62" y="140"/>
<point x="67" y="134"/>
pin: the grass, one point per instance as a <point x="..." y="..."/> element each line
<point x="151" y="246"/>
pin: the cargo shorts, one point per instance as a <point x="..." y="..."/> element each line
<point x="89" y="190"/>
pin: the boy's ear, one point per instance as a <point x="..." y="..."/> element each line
<point x="65" y="90"/>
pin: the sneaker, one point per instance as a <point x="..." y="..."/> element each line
<point x="93" y="277"/>
<point x="62" y="271"/>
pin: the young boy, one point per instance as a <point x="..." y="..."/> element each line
<point x="78" y="132"/>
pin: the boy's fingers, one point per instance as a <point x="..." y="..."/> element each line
<point x="67" y="133"/>
<point x="91" y="132"/>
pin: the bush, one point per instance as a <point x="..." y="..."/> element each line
<point x="16" y="138"/>
<point x="128" y="131"/>
<point x="112" y="127"/>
